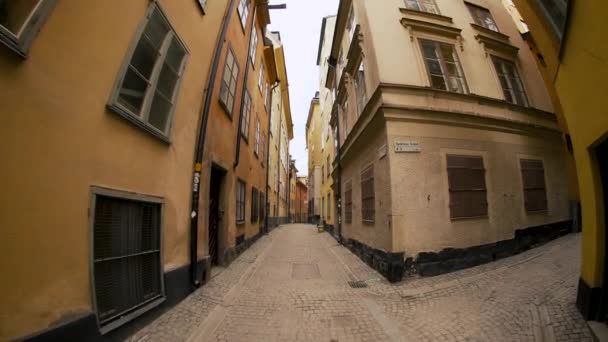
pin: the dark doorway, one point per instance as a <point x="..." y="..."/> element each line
<point x="215" y="212"/>
<point x="602" y="158"/>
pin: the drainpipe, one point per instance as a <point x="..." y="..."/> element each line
<point x="268" y="157"/>
<point x="279" y="160"/>
<point x="237" y="157"/>
<point x="339" y="177"/>
<point x="200" y="145"/>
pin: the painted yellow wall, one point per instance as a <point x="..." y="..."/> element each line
<point x="583" y="66"/>
<point x="59" y="140"/>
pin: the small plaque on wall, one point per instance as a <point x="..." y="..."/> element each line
<point x="407" y="147"/>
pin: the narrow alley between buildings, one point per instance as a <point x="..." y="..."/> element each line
<point x="293" y="285"/>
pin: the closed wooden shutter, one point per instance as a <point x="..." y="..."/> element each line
<point x="348" y="202"/>
<point x="368" y="211"/>
<point x="467" y="186"/>
<point x="126" y="247"/>
<point x="535" y="192"/>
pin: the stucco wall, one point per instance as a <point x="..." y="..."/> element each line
<point x="421" y="217"/>
<point x="59" y="140"/>
<point x="379" y="233"/>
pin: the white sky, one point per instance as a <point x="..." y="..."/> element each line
<point x="300" y="27"/>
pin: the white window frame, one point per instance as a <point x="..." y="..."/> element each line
<point x="141" y="119"/>
<point x="254" y="44"/>
<point x="246" y="115"/>
<point x="427" y="6"/>
<point x="257" y="137"/>
<point x="20" y="42"/>
<point x="231" y="87"/>
<point x="261" y="77"/>
<point x="243" y="10"/>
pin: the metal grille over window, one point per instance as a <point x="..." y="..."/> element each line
<point x="348" y="202"/>
<point x="254" y="205"/>
<point x="535" y="192"/>
<point x="467" y="186"/>
<point x="229" y="79"/>
<point x="243" y="10"/>
<point x="428" y="6"/>
<point x="245" y="115"/>
<point x="240" y="202"/>
<point x="443" y="66"/>
<point x="510" y="82"/>
<point x="126" y="261"/>
<point x="482" y="17"/>
<point x="368" y="211"/>
<point x="147" y="90"/>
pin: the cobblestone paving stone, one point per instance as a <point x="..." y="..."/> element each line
<point x="299" y="292"/>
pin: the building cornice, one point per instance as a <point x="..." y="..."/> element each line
<point x="374" y="110"/>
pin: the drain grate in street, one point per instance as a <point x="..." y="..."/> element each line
<point x="359" y="284"/>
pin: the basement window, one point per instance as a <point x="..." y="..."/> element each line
<point x="20" y="21"/>
<point x="533" y="178"/>
<point x="254" y="205"/>
<point x="146" y="91"/>
<point x="467" y="186"/>
<point x="127" y="266"/>
<point x="240" y="202"/>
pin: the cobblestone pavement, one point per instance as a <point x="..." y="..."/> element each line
<point x="292" y="285"/>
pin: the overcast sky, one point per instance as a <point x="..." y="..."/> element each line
<point x="300" y="27"/>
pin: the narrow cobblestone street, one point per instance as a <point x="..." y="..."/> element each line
<point x="293" y="286"/>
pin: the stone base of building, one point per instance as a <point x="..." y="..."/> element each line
<point x="453" y="259"/>
<point x="84" y="328"/>
<point x="393" y="267"/>
<point x="390" y="265"/>
<point x="588" y="300"/>
<point x="241" y="245"/>
<point x="275" y="221"/>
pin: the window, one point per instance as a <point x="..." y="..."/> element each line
<point x="254" y="205"/>
<point x="262" y="206"/>
<point x="444" y="69"/>
<point x="467" y="186"/>
<point x="240" y="202"/>
<point x="254" y="44"/>
<point x="361" y="90"/>
<point x="21" y="20"/>
<point x="533" y="178"/>
<point x="328" y="173"/>
<point x="350" y="25"/>
<point x="127" y="265"/>
<point x="245" y="115"/>
<point x="323" y="207"/>
<point x="228" y="86"/>
<point x="261" y="77"/>
<point x="328" y="207"/>
<point x="482" y="17"/>
<point x="266" y="95"/>
<point x="368" y="211"/>
<point x="243" y="10"/>
<point x="428" y="6"/>
<point x="348" y="202"/>
<point x="257" y="137"/>
<point x="146" y="90"/>
<point x="263" y="148"/>
<point x="345" y="115"/>
<point x="555" y="13"/>
<point x="510" y="81"/>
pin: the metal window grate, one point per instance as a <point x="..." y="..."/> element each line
<point x="466" y="179"/>
<point x="535" y="192"/>
<point x="126" y="262"/>
<point x="359" y="284"/>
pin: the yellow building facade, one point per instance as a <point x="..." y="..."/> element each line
<point x="281" y="133"/>
<point x="103" y="122"/>
<point x="448" y="138"/>
<point x="321" y="137"/>
<point x="568" y="40"/>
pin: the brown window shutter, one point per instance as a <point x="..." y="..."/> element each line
<point x="467" y="186"/>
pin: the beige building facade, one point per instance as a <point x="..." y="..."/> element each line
<point x="449" y="152"/>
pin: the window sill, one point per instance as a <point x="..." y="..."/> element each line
<point x="426" y="14"/>
<point x="13" y="45"/>
<point x="369" y="222"/>
<point x="425" y="26"/>
<point x="240" y="223"/>
<point x="138" y="123"/>
<point x="453" y="219"/>
<point x="543" y="211"/>
<point x="491" y="33"/>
